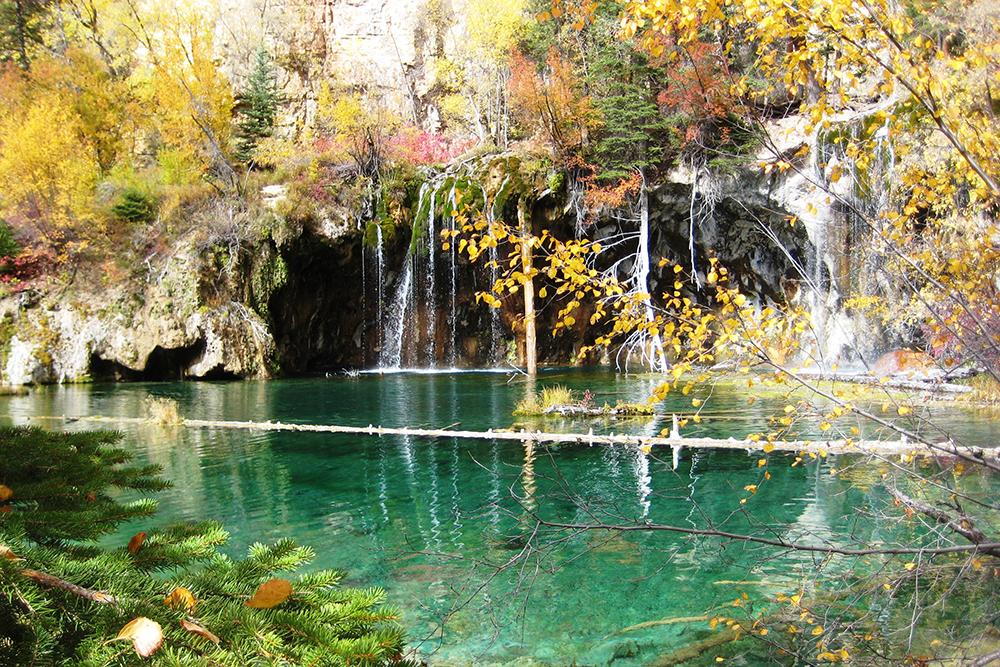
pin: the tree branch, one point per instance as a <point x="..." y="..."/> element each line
<point x="50" y="581"/>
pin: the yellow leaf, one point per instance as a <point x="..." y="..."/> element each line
<point x="6" y="493"/>
<point x="270" y="594"/>
<point x="180" y="598"/>
<point x="145" y="634"/>
<point x="817" y="631"/>
<point x="768" y="448"/>
<point x="902" y="410"/>
<point x="542" y="293"/>
<point x="196" y="629"/>
<point x="909" y="566"/>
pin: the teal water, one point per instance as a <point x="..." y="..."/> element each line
<point x="441" y="523"/>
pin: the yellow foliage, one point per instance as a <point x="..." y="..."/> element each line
<point x="493" y="26"/>
<point x="191" y="98"/>
<point x="47" y="175"/>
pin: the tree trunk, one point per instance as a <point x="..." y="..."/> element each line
<point x="530" y="341"/>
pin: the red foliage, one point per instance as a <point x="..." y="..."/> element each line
<point x="612" y="196"/>
<point x="552" y="103"/>
<point x="698" y="83"/>
<point x="29" y="264"/>
<point x="699" y="89"/>
<point x="419" y="147"/>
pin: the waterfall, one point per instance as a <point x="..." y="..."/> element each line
<point x="453" y="315"/>
<point x="431" y="307"/>
<point x="380" y="285"/>
<point x="412" y="328"/>
<point x="653" y="352"/>
<point x="392" y="351"/>
<point x="841" y="235"/>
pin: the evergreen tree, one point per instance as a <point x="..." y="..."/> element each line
<point x="258" y="104"/>
<point x="9" y="246"/>
<point x="622" y="83"/>
<point x="21" y="25"/>
<point x="168" y="594"/>
<point x="134" y="206"/>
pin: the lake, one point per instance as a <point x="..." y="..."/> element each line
<point x="444" y="524"/>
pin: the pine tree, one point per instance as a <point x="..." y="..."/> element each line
<point x="134" y="206"/>
<point x="623" y="86"/>
<point x="21" y="28"/>
<point x="258" y="104"/>
<point x="170" y="594"/>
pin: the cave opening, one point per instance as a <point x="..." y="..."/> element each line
<point x="162" y="364"/>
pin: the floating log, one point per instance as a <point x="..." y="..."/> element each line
<point x="674" y="440"/>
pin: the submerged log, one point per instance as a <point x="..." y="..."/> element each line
<point x="646" y="443"/>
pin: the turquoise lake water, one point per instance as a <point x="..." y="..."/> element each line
<point x="435" y="521"/>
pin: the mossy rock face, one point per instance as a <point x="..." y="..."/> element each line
<point x="269" y="275"/>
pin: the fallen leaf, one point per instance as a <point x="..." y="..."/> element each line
<point x="270" y="594"/>
<point x="6" y="493"/>
<point x="136" y="542"/>
<point x="180" y="598"/>
<point x="145" y="634"/>
<point x="196" y="629"/>
<point x="8" y="553"/>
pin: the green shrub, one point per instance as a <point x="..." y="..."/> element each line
<point x="537" y="403"/>
<point x="134" y="206"/>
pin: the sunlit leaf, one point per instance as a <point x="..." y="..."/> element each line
<point x="270" y="594"/>
<point x="145" y="634"/>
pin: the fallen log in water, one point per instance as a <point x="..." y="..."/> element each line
<point x="674" y="440"/>
<point x="933" y="386"/>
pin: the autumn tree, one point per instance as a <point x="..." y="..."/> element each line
<point x="191" y="98"/>
<point x="47" y="172"/>
<point x="475" y="81"/>
<point x="550" y="101"/>
<point x="360" y="127"/>
<point x="169" y="594"/>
